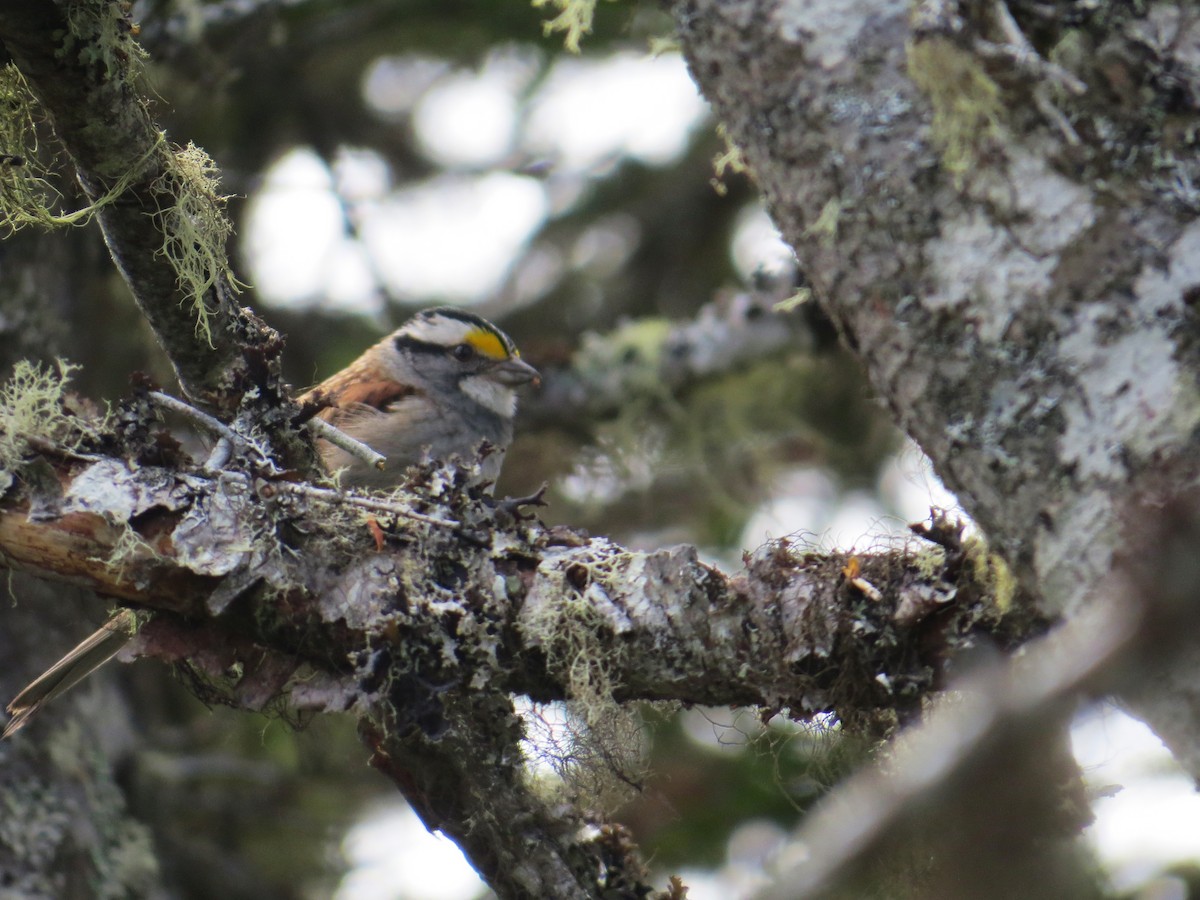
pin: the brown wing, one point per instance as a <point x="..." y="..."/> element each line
<point x="370" y="394"/>
<point x="361" y="385"/>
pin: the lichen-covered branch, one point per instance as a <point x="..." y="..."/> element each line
<point x="1024" y="303"/>
<point x="425" y="626"/>
<point x="159" y="207"/>
<point x="999" y="718"/>
<point x="653" y="359"/>
<point x="524" y="606"/>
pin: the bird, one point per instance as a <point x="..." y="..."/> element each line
<point x="443" y="386"/>
<point x="439" y="386"/>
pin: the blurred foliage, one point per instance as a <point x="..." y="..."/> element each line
<point x="246" y="807"/>
<point x="727" y="769"/>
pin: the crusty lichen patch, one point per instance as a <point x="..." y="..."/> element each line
<point x="41" y="823"/>
<point x="991" y="573"/>
<point x="967" y="106"/>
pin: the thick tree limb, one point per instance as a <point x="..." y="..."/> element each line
<point x="1025" y="307"/>
<point x="427" y="639"/>
<point x="82" y="64"/>
<point x="796" y="630"/>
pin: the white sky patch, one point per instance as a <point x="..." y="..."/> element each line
<point x="392" y="855"/>
<point x="454" y="237"/>
<point x="808" y="502"/>
<point x="547" y="732"/>
<point x="466" y="120"/>
<point x="393" y="84"/>
<point x="294" y="232"/>
<point x="361" y="174"/>
<point x="1150" y="824"/>
<point x="909" y="487"/>
<point x="591" y="111"/>
<point x="757" y="244"/>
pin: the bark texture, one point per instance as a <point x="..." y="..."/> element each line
<point x="423" y="617"/>
<point x="165" y="229"/>
<point x="1014" y="259"/>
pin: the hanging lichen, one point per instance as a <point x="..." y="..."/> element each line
<point x="32" y="408"/>
<point x="27" y="195"/>
<point x="195" y="229"/>
<point x="574" y="20"/>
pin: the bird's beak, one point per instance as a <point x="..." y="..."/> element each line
<point x="515" y="371"/>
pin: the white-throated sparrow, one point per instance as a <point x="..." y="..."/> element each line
<point x="440" y="385"/>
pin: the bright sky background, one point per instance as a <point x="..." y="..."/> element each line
<point x="455" y="238"/>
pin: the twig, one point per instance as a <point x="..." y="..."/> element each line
<point x="228" y="436"/>
<point x="201" y="418"/>
<point x="309" y="490"/>
<point x="1021" y="52"/>
<point x="219" y="456"/>
<point x="321" y="428"/>
<point x="340" y="439"/>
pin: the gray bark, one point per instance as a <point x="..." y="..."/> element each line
<point x="1030" y="319"/>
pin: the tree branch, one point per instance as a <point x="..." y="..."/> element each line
<point x="1143" y="614"/>
<point x="82" y="63"/>
<point x="1006" y="306"/>
<point x="655" y="359"/>
<point x="426" y="639"/>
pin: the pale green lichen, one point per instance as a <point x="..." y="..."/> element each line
<point x="825" y="227"/>
<point x="31" y="408"/>
<point x="27" y="196"/>
<point x="794" y="302"/>
<point x="102" y="34"/>
<point x="633" y="352"/>
<point x="657" y="46"/>
<point x="730" y="160"/>
<point x="929" y="562"/>
<point x="967" y="106"/>
<point x="991" y="572"/>
<point x="599" y="756"/>
<point x="195" y="229"/>
<point x="573" y="21"/>
<point x="130" y="548"/>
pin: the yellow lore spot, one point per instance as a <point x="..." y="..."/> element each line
<point x="487" y="344"/>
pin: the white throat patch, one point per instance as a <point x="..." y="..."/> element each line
<point x="498" y="398"/>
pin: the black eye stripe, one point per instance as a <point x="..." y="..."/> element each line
<point x="413" y="345"/>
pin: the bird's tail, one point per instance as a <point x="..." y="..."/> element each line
<point x="77" y="665"/>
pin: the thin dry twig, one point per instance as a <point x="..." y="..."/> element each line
<point x="340" y="439"/>
<point x="370" y="503"/>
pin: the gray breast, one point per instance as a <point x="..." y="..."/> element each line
<point x="409" y="430"/>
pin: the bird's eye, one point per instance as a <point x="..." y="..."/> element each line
<point x="463" y="352"/>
